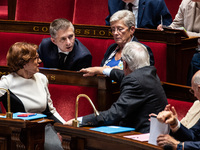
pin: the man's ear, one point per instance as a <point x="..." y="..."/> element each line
<point x="53" y="40"/>
<point x="125" y="65"/>
<point x="198" y="86"/>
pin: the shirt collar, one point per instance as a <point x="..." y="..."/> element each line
<point x="59" y="51"/>
<point x="135" y="3"/>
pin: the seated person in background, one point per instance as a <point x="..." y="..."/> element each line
<point x="148" y="13"/>
<point x="184" y="138"/>
<point x="140" y="91"/>
<point x="191" y="137"/>
<point x="188" y="16"/>
<point x="63" y="50"/>
<point x="28" y="88"/>
<point x="123" y="28"/>
<point x="193" y="114"/>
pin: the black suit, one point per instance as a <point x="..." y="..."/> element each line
<point x="190" y="137"/>
<point x="80" y="57"/>
<point x="141" y="93"/>
<point x="149" y="12"/>
<point x="112" y="47"/>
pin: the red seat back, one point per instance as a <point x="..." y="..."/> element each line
<point x="160" y="53"/>
<point x="91" y="12"/>
<point x="181" y="107"/>
<point x="97" y="47"/>
<point x="8" y="39"/>
<point x="64" y="98"/>
<point x="44" y="10"/>
<point x="173" y="6"/>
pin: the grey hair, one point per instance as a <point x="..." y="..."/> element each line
<point x="135" y="55"/>
<point x="125" y="15"/>
<point x="196" y="78"/>
<point x="58" y="24"/>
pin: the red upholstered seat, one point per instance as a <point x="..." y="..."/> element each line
<point x="8" y="39"/>
<point x="91" y="12"/>
<point x="44" y="11"/>
<point x="173" y="6"/>
<point x="160" y="52"/>
<point x="4" y="9"/>
<point x="97" y="47"/>
<point x="181" y="107"/>
<point x="64" y="98"/>
<point x="4" y="12"/>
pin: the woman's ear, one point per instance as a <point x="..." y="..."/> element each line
<point x="132" y="30"/>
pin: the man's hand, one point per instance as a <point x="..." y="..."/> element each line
<point x="168" y="117"/>
<point x="91" y="71"/>
<point x="169" y="108"/>
<point x="159" y="27"/>
<point x="166" y="140"/>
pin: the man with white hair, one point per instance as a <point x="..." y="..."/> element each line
<point x="141" y="92"/>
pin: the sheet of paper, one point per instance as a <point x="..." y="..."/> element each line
<point x="157" y="128"/>
<point x="139" y="137"/>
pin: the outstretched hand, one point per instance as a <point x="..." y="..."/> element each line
<point x="91" y="71"/>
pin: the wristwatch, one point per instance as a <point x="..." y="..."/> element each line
<point x="180" y="146"/>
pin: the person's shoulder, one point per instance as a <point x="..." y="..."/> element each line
<point x="46" y="40"/>
<point x="41" y="76"/>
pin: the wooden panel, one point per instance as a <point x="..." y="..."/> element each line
<point x="83" y="139"/>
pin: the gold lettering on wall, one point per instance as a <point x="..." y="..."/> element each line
<point x="41" y="29"/>
<point x="45" y="29"/>
<point x="35" y="28"/>
<point x="87" y="32"/>
<point x="101" y="32"/>
<point x="52" y="77"/>
<point x="77" y="31"/>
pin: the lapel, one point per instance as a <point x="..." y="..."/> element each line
<point x="189" y="15"/>
<point x="140" y="11"/>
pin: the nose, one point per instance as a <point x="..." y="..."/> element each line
<point x="39" y="60"/>
<point x="68" y="42"/>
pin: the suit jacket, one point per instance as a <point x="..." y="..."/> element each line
<point x="149" y="12"/>
<point x="80" y="57"/>
<point x="140" y="94"/>
<point x="112" y="47"/>
<point x="190" y="137"/>
<point x="185" y="17"/>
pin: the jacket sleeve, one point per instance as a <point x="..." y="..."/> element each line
<point x="128" y="101"/>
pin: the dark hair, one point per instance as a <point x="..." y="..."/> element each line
<point x="19" y="54"/>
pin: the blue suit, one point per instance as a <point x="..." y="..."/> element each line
<point x="80" y="57"/>
<point x="149" y="12"/>
<point x="113" y="46"/>
<point x="190" y="137"/>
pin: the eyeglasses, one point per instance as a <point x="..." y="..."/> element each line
<point x="119" y="30"/>
<point x="191" y="91"/>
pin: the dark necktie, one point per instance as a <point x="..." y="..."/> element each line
<point x="62" y="59"/>
<point x="130" y="7"/>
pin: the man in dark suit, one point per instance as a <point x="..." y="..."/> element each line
<point x="184" y="138"/>
<point x="63" y="50"/>
<point x="148" y="13"/>
<point x="140" y="91"/>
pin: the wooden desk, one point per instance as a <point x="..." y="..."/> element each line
<point x="85" y="139"/>
<point x="31" y="131"/>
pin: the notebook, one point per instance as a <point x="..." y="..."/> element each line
<point x="112" y="129"/>
<point x="29" y="117"/>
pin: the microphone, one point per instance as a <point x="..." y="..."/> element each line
<point x="9" y="114"/>
<point x="75" y="122"/>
